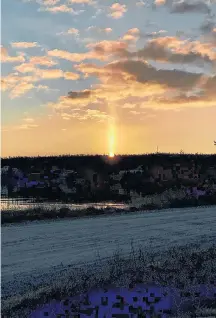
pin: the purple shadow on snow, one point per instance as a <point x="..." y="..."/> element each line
<point x="125" y="302"/>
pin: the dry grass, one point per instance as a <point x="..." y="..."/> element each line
<point x="40" y="213"/>
<point x="178" y="267"/>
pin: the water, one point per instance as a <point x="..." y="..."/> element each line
<point x="26" y="203"/>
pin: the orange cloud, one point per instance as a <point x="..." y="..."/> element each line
<point x="49" y="74"/>
<point x="140" y="3"/>
<point x="57" y="9"/>
<point x="71" y="76"/>
<point x="21" y="89"/>
<point x="134" y="31"/>
<point x="73" y="57"/>
<point x="43" y="88"/>
<point x="142" y="72"/>
<point x="117" y="85"/>
<point x="24" y="45"/>
<point x="107" y="30"/>
<point x="84" y="114"/>
<point x="160" y="2"/>
<point x="117" y="10"/>
<point x="174" y="50"/>
<point x="10" y="81"/>
<point x="71" y="31"/>
<point x="25" y="68"/>
<point x="26" y="126"/>
<point x="5" y="58"/>
<point x="129" y="83"/>
<point x="49" y="2"/>
<point x="131" y="35"/>
<point x="42" y="60"/>
<point x="108" y="48"/>
<point x="100" y="51"/>
<point x="94" y="28"/>
<point x="19" y="85"/>
<point x="90" y="2"/>
<point x="31" y="67"/>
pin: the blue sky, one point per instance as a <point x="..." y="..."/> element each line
<point x="129" y="64"/>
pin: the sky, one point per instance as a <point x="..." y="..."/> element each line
<point x="107" y="77"/>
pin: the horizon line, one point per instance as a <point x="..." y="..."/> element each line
<point x="115" y="155"/>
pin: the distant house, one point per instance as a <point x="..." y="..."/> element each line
<point x="4" y="191"/>
<point x="185" y="172"/>
<point x="161" y="173"/>
<point x="67" y="190"/>
<point x="116" y="177"/>
<point x="116" y="187"/>
<point x="5" y="169"/>
<point x="80" y="181"/>
<point x="70" y="171"/>
<point x="134" y="194"/>
<point x="73" y="190"/>
<point x="137" y="170"/>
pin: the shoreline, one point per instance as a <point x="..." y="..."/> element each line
<point x="42" y="214"/>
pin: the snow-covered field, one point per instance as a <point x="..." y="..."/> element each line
<point x="45" y="247"/>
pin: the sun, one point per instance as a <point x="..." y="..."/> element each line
<point x="111" y="144"/>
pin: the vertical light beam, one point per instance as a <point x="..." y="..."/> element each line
<point x="111" y="136"/>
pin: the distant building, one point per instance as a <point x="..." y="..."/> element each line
<point x="73" y="190"/>
<point x="80" y="181"/>
<point x="117" y="188"/>
<point x="161" y="173"/>
<point x="137" y="170"/>
<point x="4" y="191"/>
<point x="116" y="177"/>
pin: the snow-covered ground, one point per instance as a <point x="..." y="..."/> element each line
<point x="35" y="249"/>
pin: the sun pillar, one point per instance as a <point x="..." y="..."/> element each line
<point x="111" y="136"/>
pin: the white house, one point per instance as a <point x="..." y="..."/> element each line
<point x="116" y="187"/>
<point x="116" y="177"/>
<point x="4" y="191"/>
<point x="80" y="181"/>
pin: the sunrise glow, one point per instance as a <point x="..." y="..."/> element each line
<point x="111" y="134"/>
<point x="111" y="85"/>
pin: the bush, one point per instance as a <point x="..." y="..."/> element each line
<point x="133" y="209"/>
<point x="183" y="203"/>
<point x="63" y="212"/>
